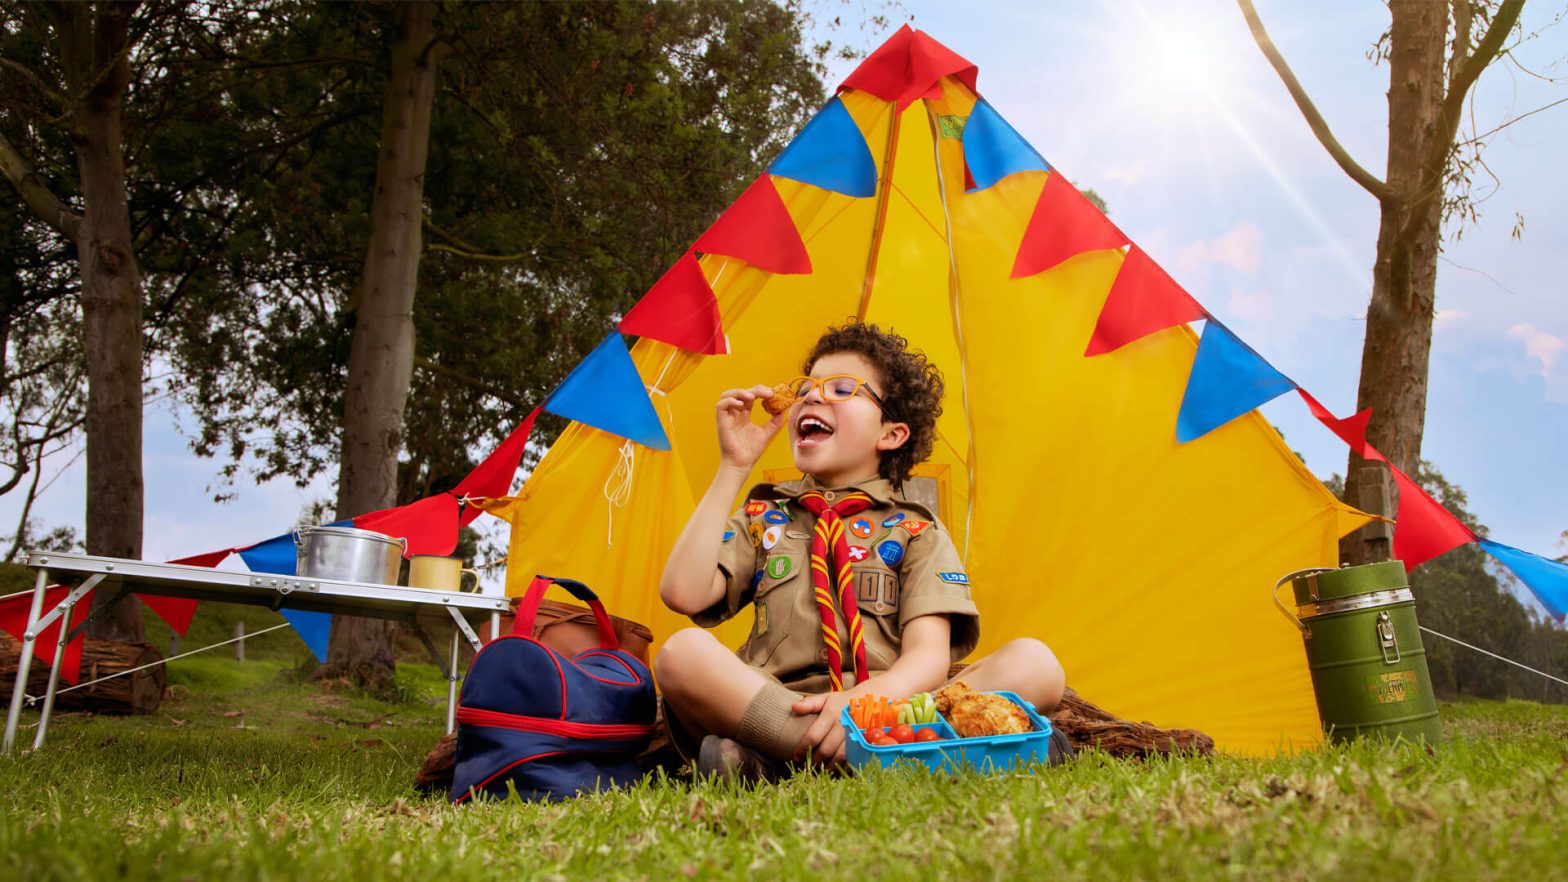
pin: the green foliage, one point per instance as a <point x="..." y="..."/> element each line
<point x="1465" y="595"/>
<point x="266" y="778"/>
<point x="576" y="149"/>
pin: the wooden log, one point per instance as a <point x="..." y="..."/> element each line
<point x="138" y="693"/>
<point x="1087" y="725"/>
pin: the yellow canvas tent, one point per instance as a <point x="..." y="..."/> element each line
<point x="1145" y="563"/>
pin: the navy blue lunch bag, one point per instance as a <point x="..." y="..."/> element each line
<point x="549" y="725"/>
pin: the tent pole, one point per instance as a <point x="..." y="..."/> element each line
<point x="953" y="291"/>
<point x="883" y="192"/>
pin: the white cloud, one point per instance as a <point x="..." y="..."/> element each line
<point x="1128" y="175"/>
<point x="1447" y="317"/>
<point x="1539" y="345"/>
<point x="1240" y="248"/>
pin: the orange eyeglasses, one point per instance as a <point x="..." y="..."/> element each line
<point x="839" y="387"/>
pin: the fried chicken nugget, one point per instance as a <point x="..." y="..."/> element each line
<point x="783" y="398"/>
<point x="980" y="714"/>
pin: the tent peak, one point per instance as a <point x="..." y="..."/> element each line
<point x="909" y="65"/>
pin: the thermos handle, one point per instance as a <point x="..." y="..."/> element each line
<point x="1305" y="631"/>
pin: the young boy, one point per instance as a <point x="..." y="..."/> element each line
<point x="858" y="590"/>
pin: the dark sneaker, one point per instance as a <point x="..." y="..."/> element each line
<point x="726" y="758"/>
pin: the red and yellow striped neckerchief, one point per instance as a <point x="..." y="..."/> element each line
<point x="830" y="554"/>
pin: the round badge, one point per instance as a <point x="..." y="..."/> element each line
<point x="893" y="519"/>
<point x="860" y="527"/>
<point x="776" y="517"/>
<point x="891" y="553"/>
<point x="778" y="567"/>
<point x="772" y="535"/>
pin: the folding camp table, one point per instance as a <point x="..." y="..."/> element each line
<point x="416" y="607"/>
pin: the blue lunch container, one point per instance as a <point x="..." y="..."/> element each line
<point x="954" y="754"/>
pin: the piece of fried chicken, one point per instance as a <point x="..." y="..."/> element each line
<point x="980" y="714"/>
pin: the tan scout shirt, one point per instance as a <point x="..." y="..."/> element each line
<point x="904" y="563"/>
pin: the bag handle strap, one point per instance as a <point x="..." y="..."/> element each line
<point x="528" y="608"/>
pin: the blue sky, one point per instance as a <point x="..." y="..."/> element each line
<point x="1169" y="111"/>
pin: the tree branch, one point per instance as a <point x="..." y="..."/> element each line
<point x="36" y="194"/>
<point x="1459" y="86"/>
<point x="466" y="380"/>
<point x="465" y="249"/>
<point x="37" y="83"/>
<point x="1319" y="126"/>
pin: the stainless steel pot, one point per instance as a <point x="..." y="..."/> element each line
<point x="348" y="554"/>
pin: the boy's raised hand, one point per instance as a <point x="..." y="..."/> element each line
<point x="741" y="441"/>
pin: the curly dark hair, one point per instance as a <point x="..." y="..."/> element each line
<point x="911" y="389"/>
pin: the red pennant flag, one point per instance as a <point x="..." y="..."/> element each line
<point x="429" y="526"/>
<point x="1142" y="300"/>
<point x="1352" y="430"/>
<point x="680" y="309"/>
<point x="177" y="612"/>
<point x="13" y="620"/>
<point x="1423" y="529"/>
<point x="909" y="65"/>
<point x="757" y="228"/>
<point x="1064" y="224"/>
<point x="493" y="477"/>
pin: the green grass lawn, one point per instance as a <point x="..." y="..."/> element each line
<point x="249" y="774"/>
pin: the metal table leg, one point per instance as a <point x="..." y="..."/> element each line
<point x="451" y="685"/>
<point x="54" y="671"/>
<point x="24" y="663"/>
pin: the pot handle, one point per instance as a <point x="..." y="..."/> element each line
<point x="1305" y="631"/>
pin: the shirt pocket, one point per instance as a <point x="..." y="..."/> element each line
<point x="877" y="598"/>
<point x="781" y="578"/>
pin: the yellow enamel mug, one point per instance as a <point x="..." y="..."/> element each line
<point x="439" y="573"/>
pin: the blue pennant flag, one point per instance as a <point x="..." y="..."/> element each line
<point x="1546" y="579"/>
<point x="1228" y="379"/>
<point x="604" y="391"/>
<point x="993" y="149"/>
<point x="279" y="556"/>
<point x="831" y="153"/>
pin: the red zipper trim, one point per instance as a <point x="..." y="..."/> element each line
<point x="478" y="717"/>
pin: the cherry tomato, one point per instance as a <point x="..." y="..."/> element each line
<point x="877" y="738"/>
<point x="903" y="733"/>
<point x="928" y="735"/>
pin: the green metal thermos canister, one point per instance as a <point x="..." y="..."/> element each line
<point x="1364" y="652"/>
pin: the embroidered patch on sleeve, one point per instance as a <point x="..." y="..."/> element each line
<point x="957" y="578"/>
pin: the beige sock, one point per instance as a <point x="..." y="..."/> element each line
<point x="769" y="726"/>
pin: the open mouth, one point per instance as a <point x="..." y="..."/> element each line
<point x="811" y="431"/>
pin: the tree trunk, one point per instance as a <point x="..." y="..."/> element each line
<point x="381" y="354"/>
<point x="1398" y="343"/>
<point x="94" y="47"/>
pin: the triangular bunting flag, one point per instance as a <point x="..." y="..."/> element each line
<point x="993" y="149"/>
<point x="1423" y="528"/>
<point x="315" y="628"/>
<point x="758" y="229"/>
<point x="1546" y="579"/>
<point x="13" y="620"/>
<point x="493" y="476"/>
<point x="831" y="153"/>
<point x="1064" y="224"/>
<point x="428" y="526"/>
<point x="909" y="65"/>
<point x="1228" y="379"/>
<point x="680" y="310"/>
<point x="279" y="555"/>
<point x="177" y="612"/>
<point x="1142" y="300"/>
<point x="1351" y="430"/>
<point x="605" y="391"/>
